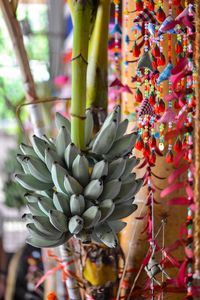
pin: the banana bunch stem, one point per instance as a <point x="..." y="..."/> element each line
<point x="81" y="16"/>
<point x="97" y="58"/>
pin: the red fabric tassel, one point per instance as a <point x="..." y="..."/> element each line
<point x="179" y="10"/>
<point x="150" y="5"/>
<point x="152" y="98"/>
<point x="179" y="47"/>
<point x="160" y="15"/>
<point x="178" y="145"/>
<point x="146" y="150"/>
<point x="169" y="157"/>
<point x="139" y="143"/>
<point x="156" y="51"/>
<point x="176" y="2"/>
<point x="136" y="50"/>
<point x="138" y="96"/>
<point x="161" y="61"/>
<point x="160" y="106"/>
<point x="152" y="142"/>
<point x="139" y="5"/>
<point x="152" y="158"/>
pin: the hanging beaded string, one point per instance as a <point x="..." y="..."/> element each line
<point x="190" y="178"/>
<point x="169" y="156"/>
<point x="117" y="50"/>
<point x="126" y="50"/>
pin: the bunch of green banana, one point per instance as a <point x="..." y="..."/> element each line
<point x="76" y="194"/>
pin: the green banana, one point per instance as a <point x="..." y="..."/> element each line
<point x="62" y="141"/>
<point x="114" y="115"/>
<point x="34" y="209"/>
<point x="58" y="220"/>
<point x="122" y="211"/>
<point x="100" y="170"/>
<point x="80" y="169"/>
<point x="106" y="207"/>
<point x="89" y="126"/>
<point x="122" y="147"/>
<point x="116" y="168"/>
<point x="22" y="160"/>
<point x="105" y="139"/>
<point x="131" y="163"/>
<point x="130" y="178"/>
<point x="72" y="186"/>
<point x="42" y="243"/>
<point x="105" y="233"/>
<point x="84" y="236"/>
<point x="91" y="216"/>
<point x="70" y="154"/>
<point x="31" y="183"/>
<point x="111" y="189"/>
<point x="117" y="225"/>
<point x="75" y="224"/>
<point x="122" y="127"/>
<point x="31" y="197"/>
<point x="77" y="204"/>
<point x="28" y="218"/>
<point x="130" y="189"/>
<point x="43" y="224"/>
<point x="27" y="150"/>
<point x="94" y="189"/>
<point x="61" y="203"/>
<point x="38" y="170"/>
<point x="51" y="157"/>
<point x="62" y="121"/>
<point x="39" y="146"/>
<point x="35" y="233"/>
<point x="49" y="142"/>
<point x="58" y="174"/>
<point x="45" y="205"/>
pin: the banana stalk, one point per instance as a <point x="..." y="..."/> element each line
<point x="81" y="13"/>
<point x="97" y="88"/>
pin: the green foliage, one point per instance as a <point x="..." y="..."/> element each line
<point x="14" y="193"/>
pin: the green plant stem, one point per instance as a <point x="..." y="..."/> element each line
<point x="82" y="14"/>
<point x="97" y="87"/>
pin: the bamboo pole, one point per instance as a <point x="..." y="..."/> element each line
<point x="14" y="29"/>
<point x="197" y="150"/>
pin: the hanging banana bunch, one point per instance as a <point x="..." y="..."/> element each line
<point x="80" y="194"/>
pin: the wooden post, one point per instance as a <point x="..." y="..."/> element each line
<point x="16" y="36"/>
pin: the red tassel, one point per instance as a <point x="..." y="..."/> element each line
<point x="177" y="145"/>
<point x="160" y="106"/>
<point x="161" y="61"/>
<point x="136" y="50"/>
<point x="176" y="104"/>
<point x="179" y="10"/>
<point x="139" y="143"/>
<point x="152" y="158"/>
<point x="152" y="142"/>
<point x="154" y="62"/>
<point x="139" y="5"/>
<point x="138" y="96"/>
<point x="156" y="51"/>
<point x="179" y="47"/>
<point x="169" y="157"/>
<point x="160" y="15"/>
<point x="146" y="150"/>
<point x="152" y="98"/>
<point x="150" y="5"/>
<point x="184" y="142"/>
<point x="176" y="2"/>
